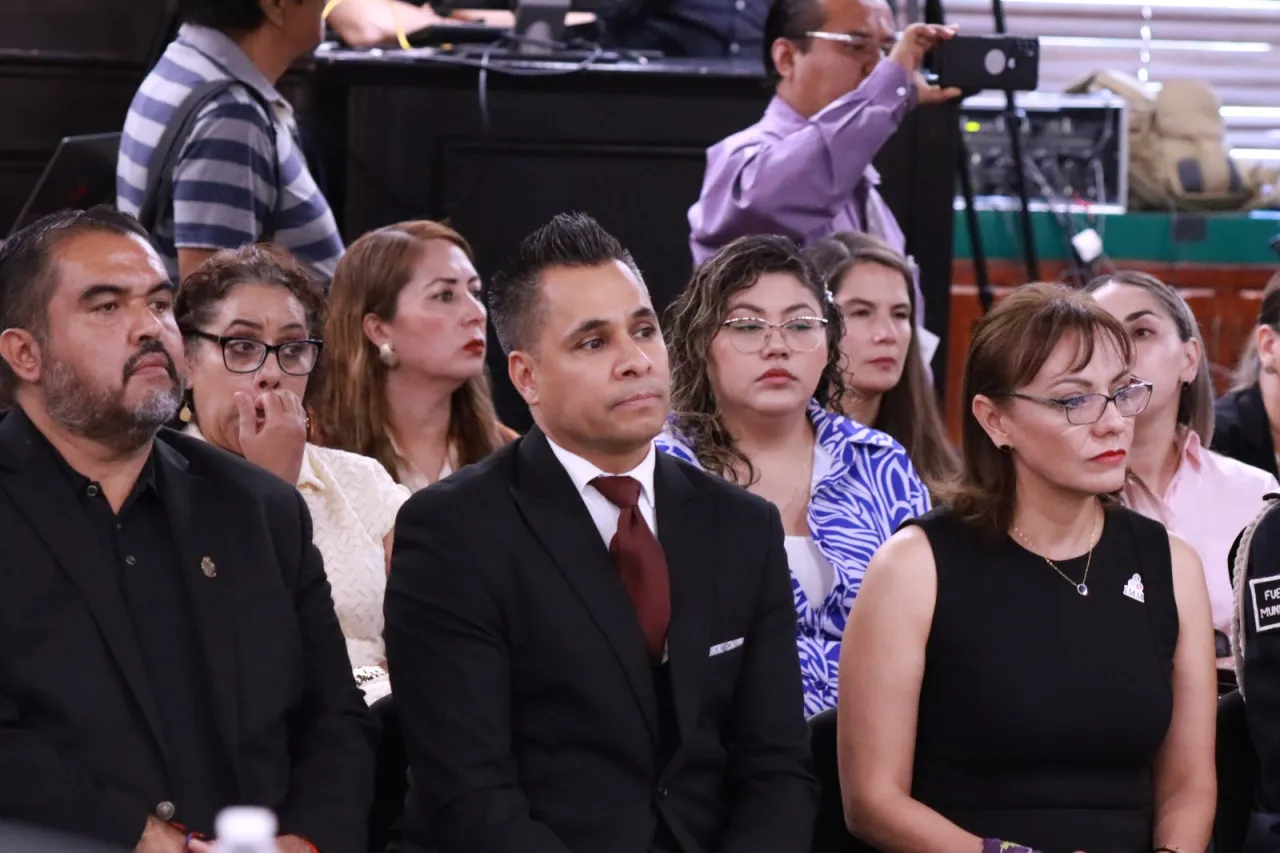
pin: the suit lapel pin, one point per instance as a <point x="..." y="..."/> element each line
<point x="1134" y="589"/>
<point x="207" y="566"/>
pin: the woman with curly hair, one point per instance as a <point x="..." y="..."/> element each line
<point x="756" y="380"/>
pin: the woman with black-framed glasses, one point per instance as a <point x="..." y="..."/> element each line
<point x="251" y="321"/>
<point x="756" y="385"/>
<point x="247" y="355"/>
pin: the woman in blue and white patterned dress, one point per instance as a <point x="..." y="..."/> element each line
<point x="756" y="377"/>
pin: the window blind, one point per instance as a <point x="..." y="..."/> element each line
<point x="1234" y="45"/>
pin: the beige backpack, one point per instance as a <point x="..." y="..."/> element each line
<point x="1178" y="156"/>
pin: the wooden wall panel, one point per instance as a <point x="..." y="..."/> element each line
<point x="1224" y="298"/>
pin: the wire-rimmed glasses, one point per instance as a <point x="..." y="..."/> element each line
<point x="750" y="335"/>
<point x="1085" y="409"/>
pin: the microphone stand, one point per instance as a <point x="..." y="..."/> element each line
<point x="986" y="297"/>
<point x="1013" y="122"/>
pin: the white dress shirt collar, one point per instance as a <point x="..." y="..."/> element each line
<point x="583" y="472"/>
<point x="603" y="513"/>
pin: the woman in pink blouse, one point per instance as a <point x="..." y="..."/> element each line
<point x="1174" y="478"/>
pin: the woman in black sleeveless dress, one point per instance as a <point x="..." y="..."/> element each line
<point x="1034" y="664"/>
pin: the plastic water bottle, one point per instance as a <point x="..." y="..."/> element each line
<point x="245" y="829"/>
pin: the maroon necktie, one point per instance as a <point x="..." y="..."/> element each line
<point x="641" y="562"/>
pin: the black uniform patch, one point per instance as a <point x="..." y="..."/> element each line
<point x="1266" y="603"/>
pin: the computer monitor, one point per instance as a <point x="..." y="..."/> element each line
<point x="81" y="173"/>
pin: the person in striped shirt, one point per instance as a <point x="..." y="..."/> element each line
<point x="241" y="175"/>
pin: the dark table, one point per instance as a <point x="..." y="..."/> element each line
<point x="499" y="151"/>
<point x="624" y="142"/>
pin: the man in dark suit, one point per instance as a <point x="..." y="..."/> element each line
<point x="567" y="680"/>
<point x="168" y="644"/>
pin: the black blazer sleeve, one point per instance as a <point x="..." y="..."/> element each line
<point x="771" y="786"/>
<point x="332" y="740"/>
<point x="42" y="788"/>
<point x="448" y="657"/>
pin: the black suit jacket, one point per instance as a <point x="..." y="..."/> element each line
<point x="523" y="686"/>
<point x="81" y="748"/>
<point x="1241" y="430"/>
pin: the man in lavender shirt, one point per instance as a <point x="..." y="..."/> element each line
<point x="804" y="170"/>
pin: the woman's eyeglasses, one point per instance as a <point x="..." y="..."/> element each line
<point x="750" y="335"/>
<point x="1085" y="409"/>
<point x="247" y="355"/>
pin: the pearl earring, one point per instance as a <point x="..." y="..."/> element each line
<point x="388" y="355"/>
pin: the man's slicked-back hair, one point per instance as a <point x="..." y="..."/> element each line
<point x="568" y="240"/>
<point x="228" y="16"/>
<point x="27" y="273"/>
<point x="790" y="19"/>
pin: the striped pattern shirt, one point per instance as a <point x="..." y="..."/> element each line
<point x="241" y="176"/>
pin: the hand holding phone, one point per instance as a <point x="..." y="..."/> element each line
<point x="910" y="52"/>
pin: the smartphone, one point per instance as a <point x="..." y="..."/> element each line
<point x="974" y="63"/>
